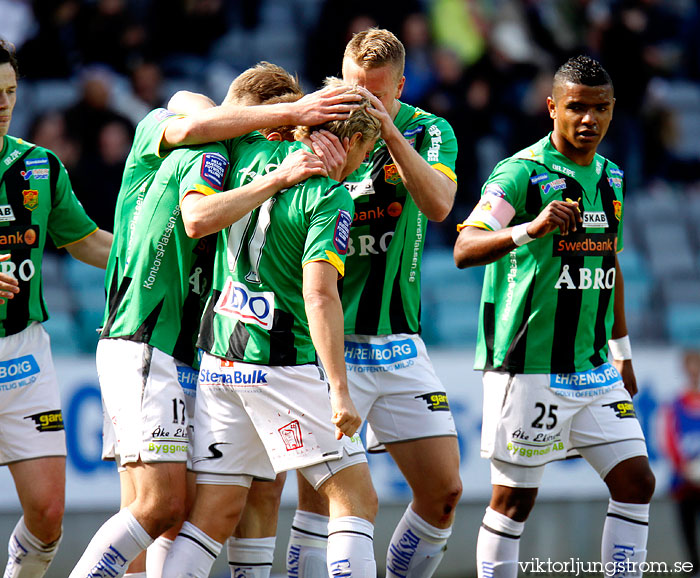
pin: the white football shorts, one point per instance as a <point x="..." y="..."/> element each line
<point x="394" y="387"/>
<point x="533" y="419"/>
<point x="144" y="401"/>
<point x="256" y="420"/>
<point x="31" y="422"/>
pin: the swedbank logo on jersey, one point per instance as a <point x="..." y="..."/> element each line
<point x="19" y="237"/>
<point x="367" y="215"/>
<point x="585" y="245"/>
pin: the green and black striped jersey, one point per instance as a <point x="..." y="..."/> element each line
<point x="162" y="291"/>
<point x="547" y="306"/>
<point x="256" y="312"/>
<point x="145" y="158"/>
<point x="381" y="289"/>
<point x="36" y="197"/>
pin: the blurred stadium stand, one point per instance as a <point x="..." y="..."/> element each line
<point x="485" y="65"/>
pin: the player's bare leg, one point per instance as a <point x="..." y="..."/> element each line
<point x="419" y="540"/>
<point x="625" y="532"/>
<point x="159" y="504"/>
<point x="352" y="506"/>
<point x="34" y="542"/>
<point x="251" y="548"/>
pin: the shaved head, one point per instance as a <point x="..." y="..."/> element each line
<point x="580" y="70"/>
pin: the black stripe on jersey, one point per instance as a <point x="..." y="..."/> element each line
<point x="17" y="316"/>
<point x="489" y="332"/>
<point x="54" y="170"/>
<point x="568" y="310"/>
<point x="206" y="328"/>
<point x="397" y="311"/>
<point x="144" y="332"/>
<point x="115" y="300"/>
<point x="600" y="338"/>
<point x="514" y="360"/>
<point x="203" y="268"/>
<point x="238" y="341"/>
<point x="282" y="350"/>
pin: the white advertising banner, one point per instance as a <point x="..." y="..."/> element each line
<point x="92" y="483"/>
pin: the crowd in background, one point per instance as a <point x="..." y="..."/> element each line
<point x="92" y="69"/>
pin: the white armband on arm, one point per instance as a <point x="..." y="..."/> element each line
<point x="621" y="348"/>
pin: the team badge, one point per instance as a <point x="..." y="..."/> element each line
<point x="31" y="199"/>
<point x="341" y="234"/>
<point x="391" y="174"/>
<point x="214" y="169"/>
<point x="618" y="209"/>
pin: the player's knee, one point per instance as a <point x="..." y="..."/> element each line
<point x="45" y="516"/>
<point x="514" y="502"/>
<point x="641" y="488"/>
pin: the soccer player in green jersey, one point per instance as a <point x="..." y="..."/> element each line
<point x="408" y="179"/>
<point x="36" y="198"/>
<point x="147" y="344"/>
<point x="262" y="402"/>
<point x="548" y="228"/>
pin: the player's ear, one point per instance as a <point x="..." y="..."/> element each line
<point x="274" y="136"/>
<point x="551" y="107"/>
<point x="354" y="139"/>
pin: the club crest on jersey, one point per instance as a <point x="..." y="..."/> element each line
<point x="555" y="185"/>
<point x="291" y="436"/>
<point x="214" y="168"/>
<point x="618" y="209"/>
<point x="391" y="174"/>
<point x="239" y="302"/>
<point x="6" y="213"/>
<point x="341" y="235"/>
<point x="31" y="199"/>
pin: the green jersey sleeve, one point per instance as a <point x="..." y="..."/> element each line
<point x="149" y="135"/>
<point x="68" y="223"/>
<point x="329" y="229"/>
<point x="439" y="148"/>
<point x="205" y="171"/>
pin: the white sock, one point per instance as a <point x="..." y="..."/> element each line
<point x="624" y="545"/>
<point x="416" y="548"/>
<point x="306" y="551"/>
<point x="27" y="556"/>
<point x="192" y="554"/>
<point x="155" y="556"/>
<point x="350" y="547"/>
<point x="497" y="546"/>
<point x="135" y="575"/>
<point x="250" y="557"/>
<point x="113" y="547"/>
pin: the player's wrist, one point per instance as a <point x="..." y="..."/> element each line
<point x="519" y="234"/>
<point x="620" y="348"/>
